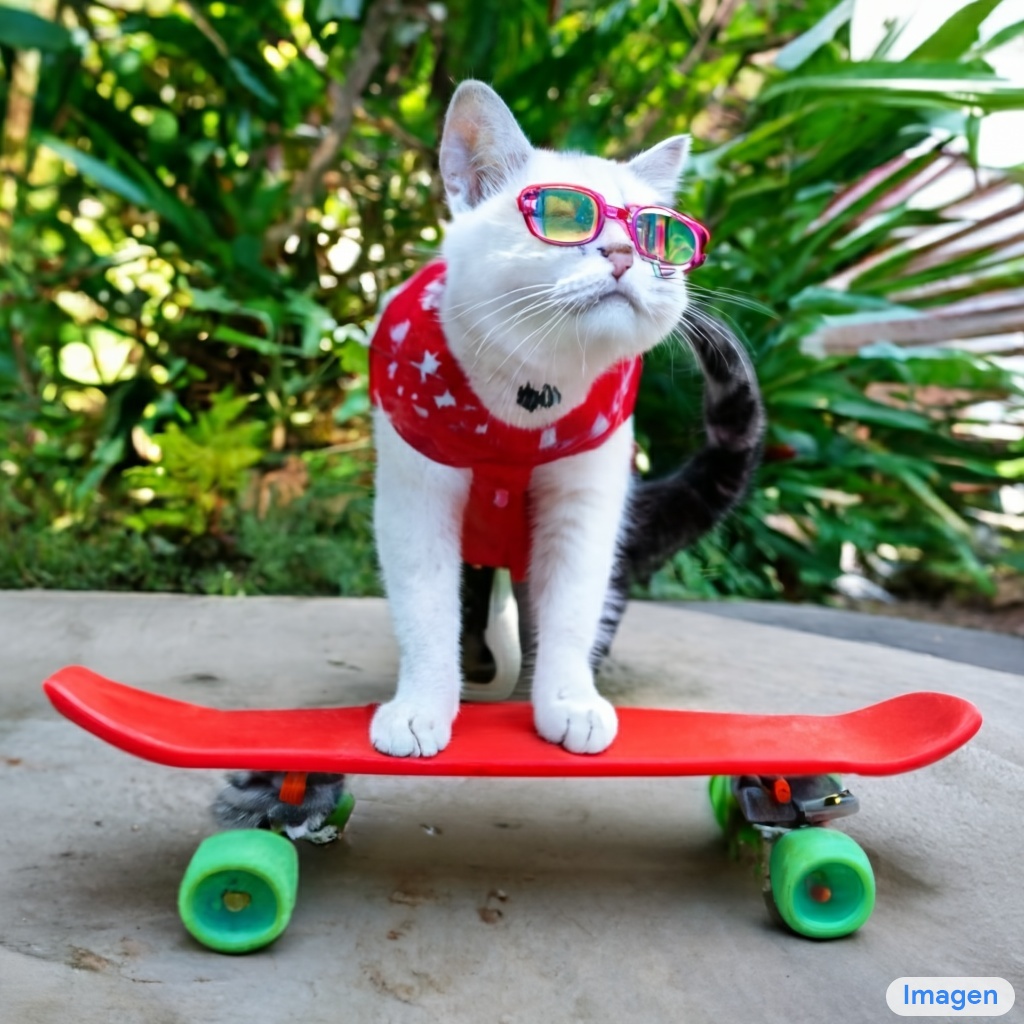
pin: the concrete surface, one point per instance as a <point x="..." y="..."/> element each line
<point x="1000" y="651"/>
<point x="479" y="900"/>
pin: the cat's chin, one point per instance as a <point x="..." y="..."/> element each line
<point x="619" y="317"/>
<point x="611" y="299"/>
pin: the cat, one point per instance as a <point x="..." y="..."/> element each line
<point x="524" y="344"/>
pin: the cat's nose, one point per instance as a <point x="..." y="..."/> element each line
<point x="621" y="257"/>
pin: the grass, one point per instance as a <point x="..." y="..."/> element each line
<point x="304" y="549"/>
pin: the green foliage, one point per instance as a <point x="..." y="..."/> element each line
<point x="201" y="469"/>
<point x="310" y="548"/>
<point x="208" y="199"/>
<point x="876" y="450"/>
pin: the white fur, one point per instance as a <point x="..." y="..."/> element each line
<point x="417" y="518"/>
<point x="578" y="506"/>
<point x="519" y="311"/>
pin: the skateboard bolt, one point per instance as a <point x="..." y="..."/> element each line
<point x="236" y="902"/>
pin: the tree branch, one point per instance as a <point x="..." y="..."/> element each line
<point x="344" y="98"/>
<point x="16" y="126"/>
<point x="718" y="20"/>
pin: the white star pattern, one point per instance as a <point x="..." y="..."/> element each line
<point x="445" y="400"/>
<point x="427" y="366"/>
<point x="421" y="412"/>
<point x="431" y="297"/>
<point x="601" y="425"/>
<point x="548" y="438"/>
<point x="392" y="370"/>
<point x="399" y="332"/>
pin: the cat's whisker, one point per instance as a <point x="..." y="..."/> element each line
<point x="486" y="343"/>
<point x="501" y="295"/>
<point x="708" y="314"/>
<point x="535" y="303"/>
<point x="469" y="306"/>
<point x="583" y="350"/>
<point x="539" y="295"/>
<point x="514" y="318"/>
<point x="550" y="325"/>
<point x="678" y="339"/>
<point x="512" y="321"/>
<point x="729" y="296"/>
<point x="695" y="314"/>
<point x="539" y="302"/>
<point x="721" y="309"/>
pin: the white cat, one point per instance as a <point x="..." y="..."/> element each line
<point x="504" y="380"/>
<point x="533" y="325"/>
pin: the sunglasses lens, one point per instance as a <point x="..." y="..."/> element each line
<point x="564" y="215"/>
<point x="663" y="238"/>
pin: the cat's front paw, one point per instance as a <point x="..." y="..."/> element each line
<point x="404" y="728"/>
<point x="582" y="724"/>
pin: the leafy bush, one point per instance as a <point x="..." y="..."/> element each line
<point x="209" y="199"/>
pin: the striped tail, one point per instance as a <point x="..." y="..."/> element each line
<point x="669" y="514"/>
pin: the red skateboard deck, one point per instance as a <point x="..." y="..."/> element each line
<point x="897" y="735"/>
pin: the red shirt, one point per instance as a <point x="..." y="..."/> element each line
<point x="419" y="384"/>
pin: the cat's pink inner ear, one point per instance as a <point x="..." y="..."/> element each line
<point x="481" y="146"/>
<point x="662" y="166"/>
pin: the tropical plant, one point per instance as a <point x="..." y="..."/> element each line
<point x="816" y="216"/>
<point x="204" y="197"/>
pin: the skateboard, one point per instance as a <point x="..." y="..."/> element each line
<point x="774" y="780"/>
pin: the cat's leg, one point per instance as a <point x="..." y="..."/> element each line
<point x="418" y="520"/>
<point x="615" y="600"/>
<point x="578" y="504"/>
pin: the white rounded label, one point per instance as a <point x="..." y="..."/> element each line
<point x="950" y="997"/>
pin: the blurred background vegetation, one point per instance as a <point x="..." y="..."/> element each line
<point x="201" y="205"/>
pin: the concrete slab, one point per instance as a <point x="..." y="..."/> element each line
<point x="479" y="900"/>
<point x="1000" y="651"/>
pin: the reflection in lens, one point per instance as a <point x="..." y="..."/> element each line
<point x="663" y="238"/>
<point x="564" y="215"/>
<point x="680" y="243"/>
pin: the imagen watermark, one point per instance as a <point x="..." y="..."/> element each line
<point x="944" y="997"/>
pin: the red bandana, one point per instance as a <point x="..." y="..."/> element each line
<point x="419" y="384"/>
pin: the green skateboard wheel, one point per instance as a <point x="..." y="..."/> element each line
<point x="741" y="837"/>
<point x="340" y="815"/>
<point x="723" y="802"/>
<point x="822" y="884"/>
<point x="239" y="890"/>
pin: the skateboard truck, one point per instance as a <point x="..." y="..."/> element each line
<point x="804" y="800"/>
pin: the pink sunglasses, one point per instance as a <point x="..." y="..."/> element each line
<point x="573" y="215"/>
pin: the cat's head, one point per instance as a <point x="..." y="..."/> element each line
<point x="522" y="297"/>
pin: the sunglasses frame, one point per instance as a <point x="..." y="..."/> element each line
<point x="626" y="216"/>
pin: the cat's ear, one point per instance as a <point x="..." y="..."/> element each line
<point x="482" y="144"/>
<point x="662" y="166"/>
